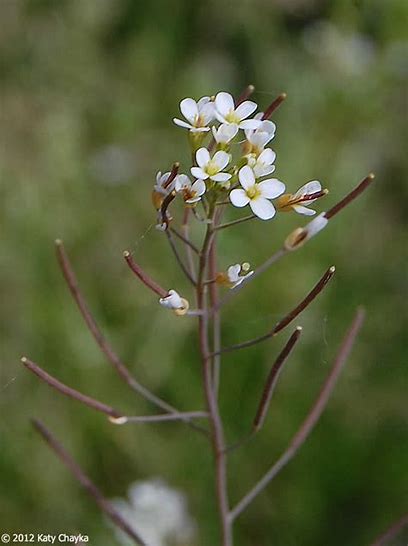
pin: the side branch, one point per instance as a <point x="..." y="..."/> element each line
<point x="165" y="417"/>
<point x="351" y="196"/>
<point x="289" y="317"/>
<point x="312" y="418"/>
<point x="306" y="301"/>
<point x="273" y="106"/>
<point x="184" y="239"/>
<point x="104" y="346"/>
<point x="148" y="281"/>
<point x="106" y="507"/>
<point x="272" y="379"/>
<point x="69" y="391"/>
<point x="178" y="258"/>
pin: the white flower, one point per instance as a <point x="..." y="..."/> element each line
<point x="256" y="194"/>
<point x="304" y="195"/>
<point x="226" y="112"/>
<point x="175" y="302"/>
<point x="301" y="235"/>
<point x="263" y="134"/>
<point x="157" y="513"/>
<point x="225" y="133"/>
<point x="263" y="163"/>
<point x="211" y="167"/>
<point x="198" y="114"/>
<point x="238" y="273"/>
<point x="161" y="180"/>
<point x="191" y="192"/>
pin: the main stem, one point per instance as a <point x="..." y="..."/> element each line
<point x="217" y="432"/>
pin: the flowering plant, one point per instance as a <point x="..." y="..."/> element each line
<point x="231" y="168"/>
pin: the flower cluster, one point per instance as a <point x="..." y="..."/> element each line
<point x="232" y="164"/>
<point x="214" y="177"/>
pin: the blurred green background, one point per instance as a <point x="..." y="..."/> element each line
<point x="88" y="89"/>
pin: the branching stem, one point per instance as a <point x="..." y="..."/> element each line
<point x="310" y="421"/>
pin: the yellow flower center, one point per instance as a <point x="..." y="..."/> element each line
<point x="212" y="168"/>
<point x="253" y="192"/>
<point x="232" y="117"/>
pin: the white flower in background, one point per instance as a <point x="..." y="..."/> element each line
<point x="263" y="163"/>
<point x="157" y="513"/>
<point x="198" y="114"/>
<point x="301" y="235"/>
<point x="175" y="302"/>
<point x="160" y="185"/>
<point x="191" y="192"/>
<point x="260" y="137"/>
<point x="257" y="194"/>
<point x="225" y="133"/>
<point x="304" y="195"/>
<point x="226" y="112"/>
<point x="211" y="167"/>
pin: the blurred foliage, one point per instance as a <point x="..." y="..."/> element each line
<point x="87" y="92"/>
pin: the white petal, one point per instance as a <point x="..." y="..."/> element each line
<point x="229" y="131"/>
<point x="221" y="159"/>
<point x="300" y="209"/>
<point x="182" y="123"/>
<point x="249" y="124"/>
<point x="262" y="208"/>
<point x="193" y="199"/>
<point x="263" y="170"/>
<point x="207" y="112"/>
<point x="271" y="188"/>
<point x="258" y="139"/>
<point x="172" y="301"/>
<point x="202" y="102"/>
<point x="268" y="127"/>
<point x="202" y="157"/>
<point x="162" y="178"/>
<point x="268" y="156"/>
<point x="220" y="117"/>
<point x="246" y="177"/>
<point x="239" y="198"/>
<point x="199" y="129"/>
<point x="199" y="187"/>
<point x="224" y="103"/>
<point x="182" y="181"/>
<point x="233" y="272"/>
<point x="310" y="187"/>
<point x="220" y="177"/>
<point x="245" y="109"/>
<point x="225" y="132"/>
<point x="189" y="109"/>
<point x="198" y="173"/>
<point x="263" y="134"/>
